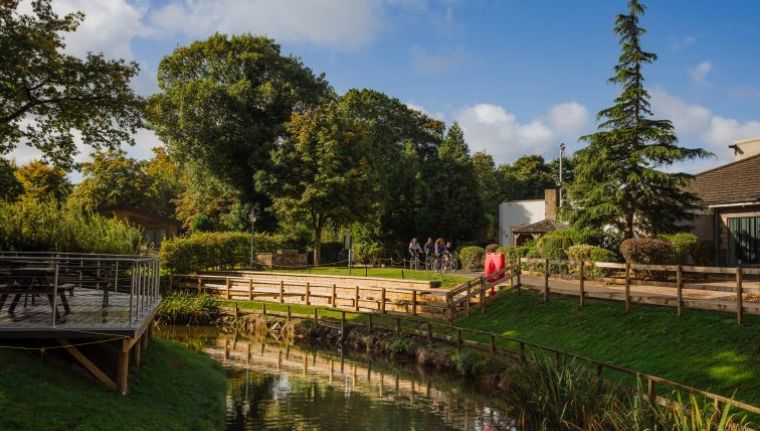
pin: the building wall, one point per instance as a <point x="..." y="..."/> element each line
<point x="518" y="213"/>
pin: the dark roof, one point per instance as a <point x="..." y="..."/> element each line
<point x="542" y="226"/>
<point x="736" y="182"/>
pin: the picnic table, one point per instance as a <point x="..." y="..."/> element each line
<point x="29" y="282"/>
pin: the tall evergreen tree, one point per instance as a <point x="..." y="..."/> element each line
<point x="617" y="176"/>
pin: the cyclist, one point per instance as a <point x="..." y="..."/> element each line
<point x="440" y="250"/>
<point x="450" y="257"/>
<point x="429" y="253"/>
<point x="414" y="251"/>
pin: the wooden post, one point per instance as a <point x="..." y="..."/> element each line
<point x="123" y="370"/>
<point x="467" y="301"/>
<point x="650" y="389"/>
<point x="343" y="322"/>
<point x="739" y="298"/>
<point x="627" y="287"/>
<point x="227" y="284"/>
<point x="316" y="316"/>
<point x="370" y="322"/>
<point x="264" y="308"/>
<point x="493" y="344"/>
<point x="414" y="302"/>
<point x="289" y="314"/>
<point x="398" y="325"/>
<point x="250" y="289"/>
<point x="282" y="291"/>
<point x="382" y="301"/>
<point x="334" y="297"/>
<point x="308" y="293"/>
<point x="459" y="339"/>
<point x="518" y="270"/>
<point x="356" y="298"/>
<point x="200" y="283"/>
<point x="679" y="290"/>
<point x="482" y="294"/>
<point x="546" y="280"/>
<point x="583" y="282"/>
<point x="522" y="350"/>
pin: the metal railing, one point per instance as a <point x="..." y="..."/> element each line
<point x="93" y="290"/>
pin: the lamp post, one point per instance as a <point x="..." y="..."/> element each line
<point x="252" y="218"/>
<point x="561" y="156"/>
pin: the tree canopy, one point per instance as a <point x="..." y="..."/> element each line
<point x="42" y="181"/>
<point x="617" y="176"/>
<point x="48" y="98"/>
<point x="112" y="179"/>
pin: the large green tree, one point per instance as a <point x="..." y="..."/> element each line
<point x="223" y="105"/>
<point x="10" y="187"/>
<point x="41" y="180"/>
<point x="618" y="180"/>
<point x="112" y="179"/>
<point x="323" y="170"/>
<point x="489" y="186"/>
<point x="48" y="97"/>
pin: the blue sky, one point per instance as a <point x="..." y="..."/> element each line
<point x="520" y="76"/>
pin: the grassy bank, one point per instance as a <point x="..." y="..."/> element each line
<point x="174" y="389"/>
<point x="447" y="279"/>
<point x="703" y="349"/>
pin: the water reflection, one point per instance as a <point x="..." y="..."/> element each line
<point x="278" y="387"/>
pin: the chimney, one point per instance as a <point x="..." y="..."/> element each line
<point x="745" y="148"/>
<point x="551" y="203"/>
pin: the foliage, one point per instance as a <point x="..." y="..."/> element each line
<point x="223" y="103"/>
<point x="50" y="97"/>
<point x="489" y="186"/>
<point x="166" y="182"/>
<point x="472" y="257"/>
<point x="466" y="362"/>
<point x="203" y="193"/>
<point x="324" y="170"/>
<point x="43" y="181"/>
<point x="617" y="181"/>
<point x="201" y="223"/>
<point x="684" y="244"/>
<point x="652" y="251"/>
<point x="590" y="253"/>
<point x="205" y="250"/>
<point x="331" y="252"/>
<point x="183" y="308"/>
<point x="10" y="187"/>
<point x="555" y="244"/>
<point x="704" y="253"/>
<point x="399" y="346"/>
<point x="112" y="179"/>
<point x="33" y="225"/>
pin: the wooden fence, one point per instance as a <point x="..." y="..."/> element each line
<point x="435" y="303"/>
<point x="495" y="344"/>
<point x="676" y="280"/>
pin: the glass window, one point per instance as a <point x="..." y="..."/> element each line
<point x="744" y="241"/>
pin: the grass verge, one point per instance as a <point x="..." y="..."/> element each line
<point x="447" y="280"/>
<point x="704" y="349"/>
<point x="174" y="389"/>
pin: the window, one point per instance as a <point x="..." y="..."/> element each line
<point x="744" y="241"/>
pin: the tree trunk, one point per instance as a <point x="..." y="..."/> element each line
<point x="628" y="231"/>
<point x="317" y="240"/>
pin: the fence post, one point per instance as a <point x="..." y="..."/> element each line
<point x="467" y="300"/>
<point x="518" y="272"/>
<point x="282" y="291"/>
<point x="343" y="324"/>
<point x="430" y="332"/>
<point x="650" y="389"/>
<point x="739" y="298"/>
<point x="382" y="301"/>
<point x="679" y="289"/>
<point x="250" y="289"/>
<point x="370" y="322"/>
<point x="264" y="308"/>
<point x="398" y="325"/>
<point x="308" y="293"/>
<point x="334" y="297"/>
<point x="627" y="287"/>
<point x="356" y="298"/>
<point x="493" y="344"/>
<point x="316" y="316"/>
<point x="228" y="288"/>
<point x="546" y="280"/>
<point x="414" y="302"/>
<point x="583" y="281"/>
<point x="482" y="294"/>
<point x="200" y="281"/>
<point x="289" y="312"/>
<point x="459" y="339"/>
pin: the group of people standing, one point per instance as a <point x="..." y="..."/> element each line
<point x="437" y="253"/>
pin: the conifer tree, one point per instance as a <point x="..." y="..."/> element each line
<point x="618" y="180"/>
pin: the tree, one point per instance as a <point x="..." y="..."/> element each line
<point x="112" y="179"/>
<point x="617" y="181"/>
<point x="223" y="105"/>
<point x="452" y="202"/>
<point x="48" y="97"/>
<point x="323" y="169"/>
<point x="10" y="188"/>
<point x="40" y="180"/>
<point x="166" y="183"/>
<point x="488" y="184"/>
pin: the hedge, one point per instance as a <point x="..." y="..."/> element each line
<point x="32" y="225"/>
<point x="590" y="253"/>
<point x="648" y="251"/>
<point x="207" y="250"/>
<point x="472" y="257"/>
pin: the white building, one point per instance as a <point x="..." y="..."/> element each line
<point x="517" y="215"/>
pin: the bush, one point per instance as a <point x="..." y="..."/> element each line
<point x="331" y="252"/>
<point x="202" y="223"/>
<point x="648" y="251"/>
<point x="492" y="248"/>
<point x="32" y="225"/>
<point x="181" y="308"/>
<point x="205" y="250"/>
<point x="704" y="253"/>
<point x="591" y="253"/>
<point x="684" y="245"/>
<point x="472" y="257"/>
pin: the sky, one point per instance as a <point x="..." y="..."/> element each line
<point x="520" y="76"/>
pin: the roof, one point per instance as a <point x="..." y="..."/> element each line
<point x="542" y="226"/>
<point x="736" y="182"/>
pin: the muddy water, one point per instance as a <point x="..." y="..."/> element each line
<point x="278" y="387"/>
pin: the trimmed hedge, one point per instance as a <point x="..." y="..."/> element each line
<point x="684" y="246"/>
<point x="648" y="251"/>
<point x="32" y="225"/>
<point x="592" y="253"/>
<point x="472" y="257"/>
<point x="206" y="250"/>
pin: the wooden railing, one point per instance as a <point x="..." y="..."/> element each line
<point x="441" y="304"/>
<point x="676" y="273"/>
<point x="494" y="344"/>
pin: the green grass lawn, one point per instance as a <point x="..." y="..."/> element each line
<point x="704" y="349"/>
<point x="447" y="280"/>
<point x="174" y="389"/>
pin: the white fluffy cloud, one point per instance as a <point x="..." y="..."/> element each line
<point x="699" y="126"/>
<point x="492" y="128"/>
<point x="699" y="73"/>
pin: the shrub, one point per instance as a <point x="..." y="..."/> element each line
<point x="684" y="245"/>
<point x="182" y="308"/>
<point x="472" y="257"/>
<point x="648" y="251"/>
<point x="704" y="253"/>
<point x="492" y="248"/>
<point x="33" y="225"/>
<point x="205" y="250"/>
<point x="201" y="223"/>
<point x="331" y="252"/>
<point x="591" y="253"/>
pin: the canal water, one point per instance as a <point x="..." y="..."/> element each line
<point x="278" y="387"/>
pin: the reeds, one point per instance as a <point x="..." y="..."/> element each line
<point x="183" y="308"/>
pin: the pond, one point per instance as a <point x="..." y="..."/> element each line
<point x="279" y="387"/>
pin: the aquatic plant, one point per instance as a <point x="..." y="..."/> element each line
<point x="181" y="308"/>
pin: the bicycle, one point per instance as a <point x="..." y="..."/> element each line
<point x="414" y="263"/>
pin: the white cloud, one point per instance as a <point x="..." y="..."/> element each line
<point x="438" y="115"/>
<point x="696" y="123"/>
<point x="699" y="73"/>
<point x="492" y="128"/>
<point x="328" y="23"/>
<point x="427" y="62"/>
